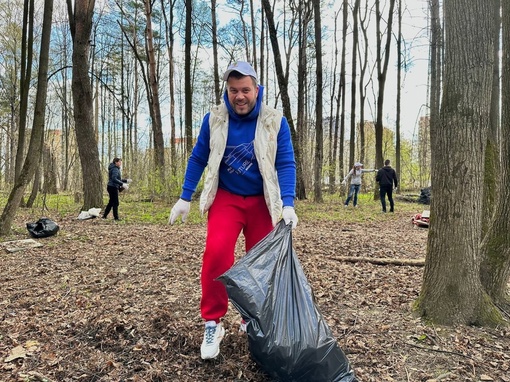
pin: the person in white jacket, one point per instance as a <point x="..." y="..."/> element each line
<point x="355" y="183"/>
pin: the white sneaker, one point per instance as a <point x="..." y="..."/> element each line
<point x="212" y="338"/>
<point x="345" y="206"/>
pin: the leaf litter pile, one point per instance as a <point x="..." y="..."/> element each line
<point x="102" y="301"/>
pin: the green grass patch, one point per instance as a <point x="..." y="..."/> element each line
<point x="332" y="209"/>
<point x="135" y="211"/>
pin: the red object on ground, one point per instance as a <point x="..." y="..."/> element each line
<point x="422" y="220"/>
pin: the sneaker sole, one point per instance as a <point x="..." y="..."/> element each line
<point x="207" y="357"/>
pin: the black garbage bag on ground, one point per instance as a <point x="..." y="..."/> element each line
<point x="287" y="335"/>
<point x="425" y="195"/>
<point x="44" y="227"/>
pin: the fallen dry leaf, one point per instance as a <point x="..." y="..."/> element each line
<point x="120" y="302"/>
<point x="15" y="353"/>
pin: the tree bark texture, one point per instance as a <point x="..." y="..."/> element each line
<point x="154" y="103"/>
<point x="80" y="22"/>
<point x="169" y="22"/>
<point x="492" y="154"/>
<point x="383" y="55"/>
<point x="49" y="163"/>
<point x="495" y="268"/>
<point x="361" y="84"/>
<point x="282" y="82"/>
<point x="188" y="95"/>
<point x="304" y="14"/>
<point x="214" y="33"/>
<point x="319" y="133"/>
<point x="34" y="150"/>
<point x="354" y="68"/>
<point x="27" y="44"/>
<point x="451" y="291"/>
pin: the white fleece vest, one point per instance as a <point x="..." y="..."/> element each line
<point x="265" y="145"/>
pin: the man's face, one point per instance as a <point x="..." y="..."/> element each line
<point x="242" y="94"/>
<point x="119" y="163"/>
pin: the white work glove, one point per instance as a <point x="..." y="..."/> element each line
<point x="180" y="208"/>
<point x="125" y="186"/>
<point x="289" y="215"/>
<point x="129" y="180"/>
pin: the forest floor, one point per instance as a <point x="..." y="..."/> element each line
<point x="105" y="301"/>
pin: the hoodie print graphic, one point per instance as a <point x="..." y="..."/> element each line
<point x="240" y="158"/>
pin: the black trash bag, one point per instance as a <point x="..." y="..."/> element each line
<point x="44" y="227"/>
<point x="287" y="335"/>
<point x="425" y="196"/>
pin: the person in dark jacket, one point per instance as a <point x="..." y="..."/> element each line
<point x="115" y="185"/>
<point x="386" y="177"/>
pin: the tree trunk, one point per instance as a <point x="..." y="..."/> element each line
<point x="32" y="160"/>
<point x="451" y="291"/>
<point x="66" y="132"/>
<point x="169" y="21"/>
<point x="36" y="183"/>
<point x="304" y="17"/>
<point x="382" y="70"/>
<point x="495" y="268"/>
<point x="188" y="95"/>
<point x="287" y="110"/>
<point x="253" y="36"/>
<point x="362" y="85"/>
<point x="27" y="44"/>
<point x="354" y="68"/>
<point x="340" y="114"/>
<point x="214" y="31"/>
<point x="333" y="127"/>
<point x="154" y="103"/>
<point x="435" y="67"/>
<point x="49" y="171"/>
<point x="319" y="144"/>
<point x="262" y="48"/>
<point x="399" y="91"/>
<point x="80" y="23"/>
<point x="492" y="154"/>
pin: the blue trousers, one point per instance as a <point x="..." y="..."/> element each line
<point x="353" y="191"/>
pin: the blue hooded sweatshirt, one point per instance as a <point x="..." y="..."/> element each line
<point x="239" y="171"/>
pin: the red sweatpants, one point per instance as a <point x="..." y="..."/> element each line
<point x="227" y="217"/>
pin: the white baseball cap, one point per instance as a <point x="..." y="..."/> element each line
<point x="240" y="67"/>
<point x="358" y="164"/>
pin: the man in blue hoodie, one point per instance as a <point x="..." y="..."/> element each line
<point x="249" y="185"/>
